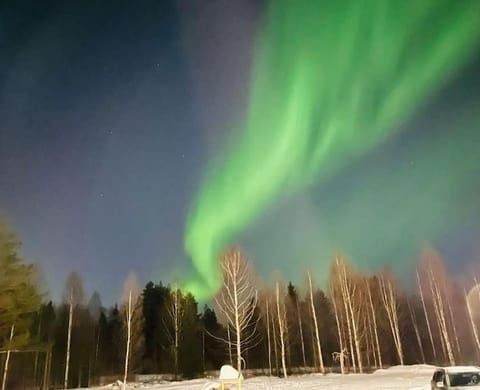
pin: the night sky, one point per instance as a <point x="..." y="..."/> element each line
<point x="111" y="110"/>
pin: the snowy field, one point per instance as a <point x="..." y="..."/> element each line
<point x="395" y="378"/>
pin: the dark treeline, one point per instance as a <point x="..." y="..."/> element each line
<point x="357" y="323"/>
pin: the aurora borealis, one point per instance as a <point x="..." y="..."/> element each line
<point x="329" y="83"/>
<point x="167" y="132"/>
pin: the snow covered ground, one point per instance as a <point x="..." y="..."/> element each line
<point x="395" y="378"/>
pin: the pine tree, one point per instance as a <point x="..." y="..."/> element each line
<point x="213" y="352"/>
<point x="19" y="297"/>
<point x="189" y="356"/>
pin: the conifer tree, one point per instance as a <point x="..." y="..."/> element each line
<point x="19" y="297"/>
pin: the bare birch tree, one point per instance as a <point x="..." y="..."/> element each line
<point x="413" y="317"/>
<point x="375" y="327"/>
<point x="237" y="301"/>
<point x="472" y="321"/>
<point x="229" y="342"/>
<point x="269" y="344"/>
<point x="390" y="303"/>
<point x="427" y="320"/>
<point x="73" y="296"/>
<point x="438" y="305"/>
<point x="435" y="275"/>
<point x="131" y="293"/>
<point x="175" y="311"/>
<point x="275" y="345"/>
<point x="69" y="339"/>
<point x="453" y="324"/>
<point x="367" y="338"/>
<point x="341" y="353"/>
<point x="282" y="328"/>
<point x="315" y="322"/>
<point x="348" y="289"/>
<point x="343" y="315"/>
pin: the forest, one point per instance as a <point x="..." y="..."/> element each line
<point x="356" y="322"/>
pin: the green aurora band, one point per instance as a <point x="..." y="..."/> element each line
<point x="330" y="81"/>
<point x="423" y="193"/>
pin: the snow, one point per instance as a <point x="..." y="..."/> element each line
<point x="228" y="372"/>
<point x="415" y="377"/>
<point x="460" y="369"/>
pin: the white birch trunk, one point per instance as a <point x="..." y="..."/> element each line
<point x="314" y="316"/>
<point x="69" y="340"/>
<point x="237" y="300"/>
<point x="238" y="329"/>
<point x="229" y="344"/>
<point x="366" y="320"/>
<point x="454" y="327"/>
<point x="415" y="327"/>
<point x="438" y="322"/>
<point x="288" y="355"/>
<point x="275" y="344"/>
<point x="375" y="328"/>
<point x="175" y="315"/>
<point x="268" y="341"/>
<point x="389" y="301"/>
<point x="370" y="340"/>
<point x="472" y="324"/>
<point x="355" y="328"/>
<point x="281" y="328"/>
<point x="439" y="309"/>
<point x="340" y="335"/>
<point x="426" y="317"/>
<point x="312" y="338"/>
<point x="347" y="316"/>
<point x="347" y="294"/>
<point x="302" y="341"/>
<point x="129" y="332"/>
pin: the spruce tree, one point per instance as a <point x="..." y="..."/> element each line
<point x="19" y="297"/>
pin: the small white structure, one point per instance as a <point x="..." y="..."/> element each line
<point x="228" y="375"/>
